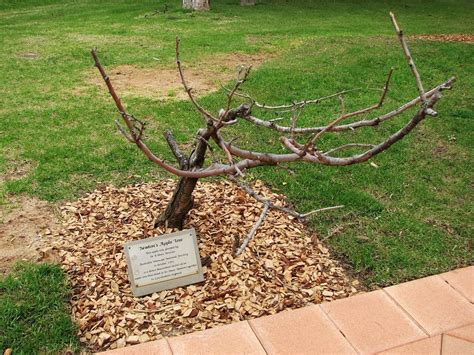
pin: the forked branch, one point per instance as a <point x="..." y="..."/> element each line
<point x="351" y="114"/>
<point x="268" y="204"/>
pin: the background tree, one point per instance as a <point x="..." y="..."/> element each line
<point x="199" y="5"/>
<point x="302" y="143"/>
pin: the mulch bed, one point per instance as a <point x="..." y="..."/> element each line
<point x="285" y="266"/>
<point x="456" y="37"/>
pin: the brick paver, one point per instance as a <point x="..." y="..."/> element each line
<point x="425" y="346"/>
<point x="433" y="315"/>
<point x="466" y="333"/>
<point x="152" y="347"/>
<point x="462" y="280"/>
<point x="236" y="338"/>
<point x="434" y="304"/>
<point x="303" y="331"/>
<point x="372" y="322"/>
<point x="455" y="346"/>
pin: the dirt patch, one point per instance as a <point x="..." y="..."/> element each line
<point x="269" y="43"/>
<point x="18" y="169"/>
<point x="440" y="149"/>
<point x="164" y="83"/>
<point x="26" y="226"/>
<point x="255" y="39"/>
<point x="28" y="55"/>
<point x="460" y="37"/>
<point x="91" y="41"/>
<point x="443" y="226"/>
<point x="229" y="62"/>
<point x="283" y="267"/>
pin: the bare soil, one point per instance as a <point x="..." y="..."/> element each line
<point x="18" y="169"/>
<point x="26" y="227"/>
<point x="455" y="37"/>
<point x="204" y="77"/>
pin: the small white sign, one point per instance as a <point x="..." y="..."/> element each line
<point x="163" y="262"/>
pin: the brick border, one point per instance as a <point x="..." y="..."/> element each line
<point x="433" y="315"/>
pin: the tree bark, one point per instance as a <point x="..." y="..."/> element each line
<point x="187" y="4"/>
<point x="247" y="2"/>
<point x="199" y="5"/>
<point x="182" y="200"/>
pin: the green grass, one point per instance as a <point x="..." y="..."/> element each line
<point x="408" y="218"/>
<point x="34" y="314"/>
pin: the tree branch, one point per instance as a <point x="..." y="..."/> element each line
<point x="188" y="89"/>
<point x="239" y="81"/>
<point x="351" y="126"/>
<point x="411" y="62"/>
<point x="252" y="231"/>
<point x="301" y="103"/>
<point x="267" y="204"/>
<point x="200" y="173"/>
<point x="180" y="157"/>
<point x="348" y="146"/>
<point x="352" y="114"/>
<point x="271" y="205"/>
<point x="122" y="130"/>
<point x="334" y="161"/>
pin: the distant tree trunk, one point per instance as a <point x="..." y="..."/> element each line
<point x="199" y="5"/>
<point x="187" y="4"/>
<point x="247" y="2"/>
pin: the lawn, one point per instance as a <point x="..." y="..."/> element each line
<point x="34" y="316"/>
<point x="408" y="217"/>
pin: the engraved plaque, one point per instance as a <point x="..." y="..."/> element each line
<point x="163" y="262"/>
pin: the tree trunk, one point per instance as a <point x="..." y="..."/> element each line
<point x="247" y="2"/>
<point x="199" y="5"/>
<point x="187" y="4"/>
<point x="182" y="200"/>
<point x="179" y="205"/>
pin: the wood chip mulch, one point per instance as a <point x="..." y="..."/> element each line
<point x="284" y="266"/>
<point x="458" y="37"/>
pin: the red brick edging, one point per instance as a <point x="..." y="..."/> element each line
<point x="433" y="315"/>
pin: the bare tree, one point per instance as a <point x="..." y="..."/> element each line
<point x="302" y="143"/>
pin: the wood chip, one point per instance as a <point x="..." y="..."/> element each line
<point x="134" y="339"/>
<point x="284" y="266"/>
